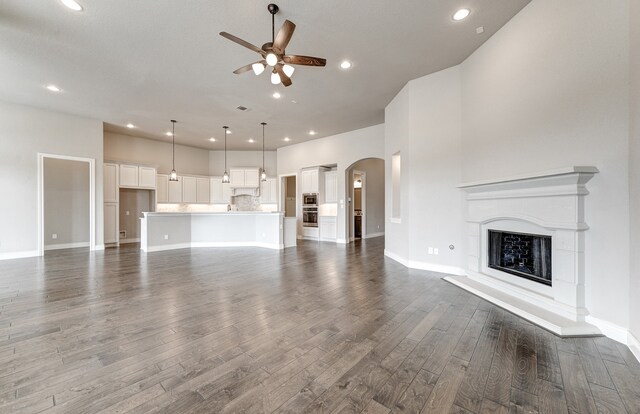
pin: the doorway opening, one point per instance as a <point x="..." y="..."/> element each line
<point x="365" y="189"/>
<point x="66" y="202"/>
<point x="289" y="205"/>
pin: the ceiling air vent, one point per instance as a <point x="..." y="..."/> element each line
<point x="242" y="108"/>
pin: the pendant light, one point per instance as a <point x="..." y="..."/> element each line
<point x="263" y="174"/>
<point x="174" y="175"/>
<point x="225" y="176"/>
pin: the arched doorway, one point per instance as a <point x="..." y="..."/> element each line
<point x="365" y="188"/>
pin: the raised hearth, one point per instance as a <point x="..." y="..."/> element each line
<point x="526" y="247"/>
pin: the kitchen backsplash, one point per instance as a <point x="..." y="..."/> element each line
<point x="246" y="203"/>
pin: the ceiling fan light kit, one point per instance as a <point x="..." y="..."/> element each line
<point x="273" y="53"/>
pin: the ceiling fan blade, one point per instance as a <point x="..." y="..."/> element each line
<point x="304" y="60"/>
<point x="243" y="43"/>
<point x="247" y="68"/>
<point x="283" y="37"/>
<point x="286" y="81"/>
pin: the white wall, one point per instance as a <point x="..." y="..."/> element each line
<point x="423" y="123"/>
<point x="242" y="159"/>
<point x="549" y="90"/>
<point x="126" y="148"/>
<point x="26" y="131"/>
<point x="66" y="192"/>
<point x="342" y="150"/>
<point x="634" y="169"/>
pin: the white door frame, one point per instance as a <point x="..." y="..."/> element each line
<point x="92" y="197"/>
<point x="363" y="203"/>
<point x="282" y="194"/>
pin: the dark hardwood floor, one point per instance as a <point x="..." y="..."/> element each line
<point x="317" y="328"/>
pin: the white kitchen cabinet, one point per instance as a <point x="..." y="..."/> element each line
<point x="129" y="176"/>
<point x="175" y="191"/>
<point x="309" y="181"/>
<point x="220" y="192"/>
<point x="331" y="187"/>
<point x="147" y="177"/>
<point x="328" y="228"/>
<point x="111" y="183"/>
<point x="269" y="191"/>
<point x="310" y="233"/>
<point x="202" y="190"/>
<point x="244" y="178"/>
<point x="162" y="189"/>
<point x="111" y="223"/>
<point x="189" y="190"/>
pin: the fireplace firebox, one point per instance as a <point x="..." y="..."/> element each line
<point x="520" y="254"/>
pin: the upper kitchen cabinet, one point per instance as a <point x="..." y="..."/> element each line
<point x="129" y="176"/>
<point x="202" y="190"/>
<point x="311" y="182"/>
<point x="220" y="192"/>
<point x="175" y="191"/>
<point x="111" y="185"/>
<point x="244" y="177"/>
<point x="189" y="190"/>
<point x="269" y="191"/>
<point x="331" y="187"/>
<point x="146" y="177"/>
<point x="162" y="190"/>
<point x="133" y="176"/>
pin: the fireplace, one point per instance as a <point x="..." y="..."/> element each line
<point x="515" y="226"/>
<point x="521" y="254"/>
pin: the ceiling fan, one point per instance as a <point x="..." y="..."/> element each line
<point x="273" y="53"/>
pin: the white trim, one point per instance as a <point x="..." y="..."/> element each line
<point x="540" y="174"/>
<point x="372" y="235"/>
<point x="133" y="240"/>
<point x="167" y="247"/>
<point x="432" y="267"/>
<point x="396" y="257"/>
<point x="274" y="246"/>
<point x="99" y="246"/>
<point x="341" y="241"/>
<point x="395" y="220"/>
<point x="61" y="246"/>
<point x="92" y="197"/>
<point x="19" y="255"/>
<point x="538" y="315"/>
<point x="634" y="345"/>
<point x="613" y="331"/>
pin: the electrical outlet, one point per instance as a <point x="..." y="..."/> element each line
<point x="54" y="236"/>
<point x="166" y="237"/>
<point x="127" y="213"/>
<point x="435" y="251"/>
<point x="430" y="250"/>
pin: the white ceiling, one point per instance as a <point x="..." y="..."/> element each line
<point x="149" y="61"/>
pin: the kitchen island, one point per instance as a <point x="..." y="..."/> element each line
<point x="167" y="231"/>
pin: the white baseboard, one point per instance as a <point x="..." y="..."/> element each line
<point x="611" y="330"/>
<point x="99" y="247"/>
<point x="634" y="345"/>
<point x="238" y="244"/>
<point x="167" y="247"/>
<point x="65" y="246"/>
<point x="432" y="267"/>
<point x="18" y="255"/>
<point x="341" y="241"/>
<point x="125" y="241"/>
<point x="372" y="235"/>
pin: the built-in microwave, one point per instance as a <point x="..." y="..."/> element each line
<point x="310" y="199"/>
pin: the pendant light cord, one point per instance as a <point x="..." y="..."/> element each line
<point x="225" y="147"/>
<point x="263" y="125"/>
<point x="173" y="145"/>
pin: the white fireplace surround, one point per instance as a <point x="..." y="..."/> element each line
<point x="547" y="203"/>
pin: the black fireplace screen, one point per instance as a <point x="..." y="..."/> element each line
<point x="524" y="255"/>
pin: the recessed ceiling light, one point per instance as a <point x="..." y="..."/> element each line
<point x="287" y="139"/>
<point x="345" y="64"/>
<point x="294" y="101"/>
<point x="168" y="133"/>
<point x="251" y="140"/>
<point x="312" y="132"/>
<point x="53" y="88"/>
<point x="72" y="4"/>
<point x="130" y="126"/>
<point x="461" y="14"/>
<point x="276" y="95"/>
<point x="212" y="139"/>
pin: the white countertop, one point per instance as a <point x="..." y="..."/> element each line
<point x="209" y="213"/>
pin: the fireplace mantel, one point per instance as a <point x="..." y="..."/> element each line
<point x="548" y="203"/>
